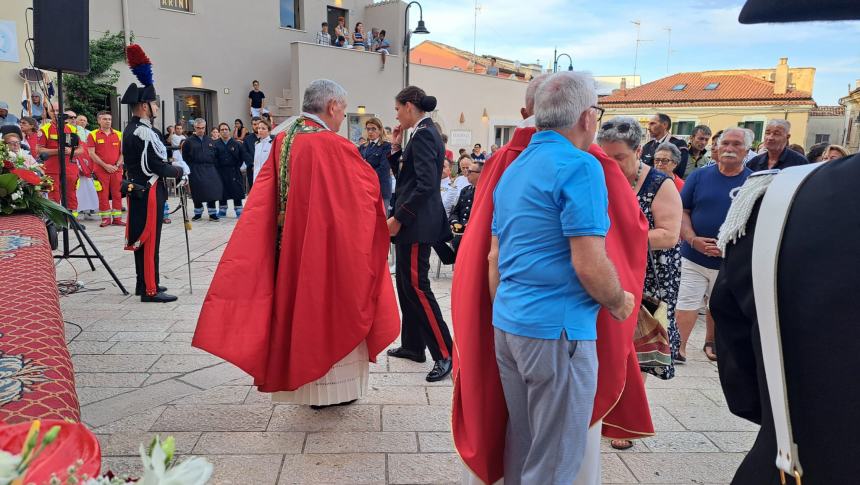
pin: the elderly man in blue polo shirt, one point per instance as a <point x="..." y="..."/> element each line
<point x="778" y="155"/>
<point x="549" y="275"/>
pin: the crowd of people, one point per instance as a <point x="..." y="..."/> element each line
<point x="357" y="39"/>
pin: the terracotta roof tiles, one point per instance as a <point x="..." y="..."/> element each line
<point x="731" y="89"/>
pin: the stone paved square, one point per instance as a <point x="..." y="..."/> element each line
<point x="137" y="376"/>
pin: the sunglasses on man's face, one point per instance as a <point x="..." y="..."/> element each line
<point x="619" y="127"/>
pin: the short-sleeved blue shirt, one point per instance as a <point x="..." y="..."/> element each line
<point x="706" y="196"/>
<point x="553" y="191"/>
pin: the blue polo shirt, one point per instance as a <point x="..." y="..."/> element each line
<point x="706" y="196"/>
<point x="553" y="191"/>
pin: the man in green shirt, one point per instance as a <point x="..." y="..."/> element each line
<point x="698" y="155"/>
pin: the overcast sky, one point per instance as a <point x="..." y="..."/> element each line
<point x="600" y="37"/>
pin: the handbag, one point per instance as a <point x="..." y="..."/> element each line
<point x="651" y="337"/>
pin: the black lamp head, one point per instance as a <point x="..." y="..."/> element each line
<point x="421" y="29"/>
<point x="570" y="67"/>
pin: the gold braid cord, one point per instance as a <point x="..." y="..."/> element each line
<point x="298" y="127"/>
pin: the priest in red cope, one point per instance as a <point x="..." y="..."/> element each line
<point x="302" y="299"/>
<point x="479" y="414"/>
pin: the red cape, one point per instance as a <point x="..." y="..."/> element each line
<point x="286" y="317"/>
<point x="479" y="412"/>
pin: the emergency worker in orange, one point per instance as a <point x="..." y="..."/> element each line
<point x="105" y="146"/>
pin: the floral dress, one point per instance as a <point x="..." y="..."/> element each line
<point x="667" y="272"/>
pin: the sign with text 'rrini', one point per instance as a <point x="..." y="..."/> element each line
<point x="181" y="5"/>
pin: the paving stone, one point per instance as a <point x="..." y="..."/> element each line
<point x="733" y="441"/>
<point x="680" y="442"/>
<point x="406" y="365"/>
<point x="394" y="395"/>
<point x="251" y="443"/>
<point x="216" y="395"/>
<point x="416" y="418"/>
<point x="183" y="363"/>
<point x="684" y="382"/>
<point x="697" y="369"/>
<point x="122" y="466"/>
<point x="117" y="407"/>
<point x="128" y="444"/>
<point x="715" y="395"/>
<point x="347" y="468"/>
<point x="89" y="347"/>
<point x="139" y="336"/>
<point x="424" y="468"/>
<point x="677" y="397"/>
<point x="154" y="348"/>
<point x="409" y="379"/>
<point x="441" y="396"/>
<point x="225" y="417"/>
<point x="613" y="470"/>
<point x="134" y="422"/>
<point x="238" y="469"/>
<point x="256" y="397"/>
<point x="381" y="364"/>
<point x="290" y="417"/>
<point x="110" y="379"/>
<point x="94" y="336"/>
<point x="638" y="447"/>
<point x="184" y="326"/>
<point x="713" y="418"/>
<point x="113" y="363"/>
<point x="361" y="442"/>
<point x="158" y="377"/>
<point x="682" y="467"/>
<point x="123" y="325"/>
<point x="215" y="375"/>
<point x="87" y="395"/>
<point x="435" y="443"/>
<point x="663" y="421"/>
<point x="180" y="337"/>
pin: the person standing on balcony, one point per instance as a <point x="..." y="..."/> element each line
<point x="257" y="100"/>
<point x="358" y="40"/>
<point x="323" y="37"/>
<point x="341" y="30"/>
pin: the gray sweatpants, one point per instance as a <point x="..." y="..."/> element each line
<point x="549" y="389"/>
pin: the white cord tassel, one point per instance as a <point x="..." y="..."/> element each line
<point x="149" y="137"/>
<point x="743" y="200"/>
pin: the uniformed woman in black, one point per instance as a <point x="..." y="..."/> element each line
<point x="418" y="223"/>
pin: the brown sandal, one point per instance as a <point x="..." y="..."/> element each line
<point x="710" y="351"/>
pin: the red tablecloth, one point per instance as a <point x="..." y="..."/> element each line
<point x="36" y="375"/>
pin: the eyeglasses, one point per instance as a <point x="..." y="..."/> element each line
<point x="619" y="127"/>
<point x="663" y="161"/>
<point x="469" y="171"/>
<point x="600" y="111"/>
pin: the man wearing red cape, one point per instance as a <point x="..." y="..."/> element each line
<point x="479" y="411"/>
<point x="302" y="298"/>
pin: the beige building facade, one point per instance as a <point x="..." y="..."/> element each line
<point x="205" y="54"/>
<point x="852" y="118"/>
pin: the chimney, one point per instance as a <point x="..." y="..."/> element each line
<point x="623" y="83"/>
<point x="857" y="84"/>
<point x="780" y="80"/>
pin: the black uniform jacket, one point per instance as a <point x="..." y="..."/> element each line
<point x="651" y="147"/>
<point x="201" y="158"/>
<point x="460" y="212"/>
<point x="819" y="309"/>
<point x="132" y="150"/>
<point x="418" y="205"/>
<point x="230" y="159"/>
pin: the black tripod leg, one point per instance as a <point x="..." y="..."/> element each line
<point x="104" y="263"/>
<point x="78" y="230"/>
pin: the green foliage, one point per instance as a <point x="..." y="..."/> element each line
<point x="89" y="94"/>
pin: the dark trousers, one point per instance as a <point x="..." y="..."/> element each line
<point x="211" y="207"/>
<point x="140" y="285"/>
<point x="237" y="203"/>
<point x="423" y="325"/>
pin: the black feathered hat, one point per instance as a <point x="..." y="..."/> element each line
<point x="141" y="66"/>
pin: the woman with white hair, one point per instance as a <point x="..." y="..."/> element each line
<point x="659" y="200"/>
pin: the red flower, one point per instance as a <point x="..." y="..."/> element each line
<point x="27" y="176"/>
<point x="8" y="165"/>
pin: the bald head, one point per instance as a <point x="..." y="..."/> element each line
<point x="534" y="84"/>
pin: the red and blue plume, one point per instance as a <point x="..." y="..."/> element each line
<point x="140" y="64"/>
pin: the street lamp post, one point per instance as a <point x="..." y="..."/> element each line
<point x="557" y="57"/>
<point x="421" y="29"/>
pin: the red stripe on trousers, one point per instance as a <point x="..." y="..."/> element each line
<point x="431" y="317"/>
